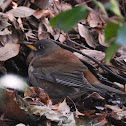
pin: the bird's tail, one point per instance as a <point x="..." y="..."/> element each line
<point x="106" y="88"/>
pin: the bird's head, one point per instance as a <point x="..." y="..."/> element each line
<point x="42" y="47"/>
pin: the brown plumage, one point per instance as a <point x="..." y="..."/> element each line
<point x="58" y="71"/>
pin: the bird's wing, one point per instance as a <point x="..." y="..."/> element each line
<point x="70" y="74"/>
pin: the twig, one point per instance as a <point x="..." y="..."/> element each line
<point x="91" y="58"/>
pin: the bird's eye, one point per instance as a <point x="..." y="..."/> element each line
<point x="40" y="47"/>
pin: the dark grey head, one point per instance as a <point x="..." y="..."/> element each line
<point x="44" y="46"/>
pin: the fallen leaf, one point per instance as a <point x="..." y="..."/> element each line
<point x="8" y="51"/>
<point x="5" y="32"/>
<point x="62" y="120"/>
<point x="62" y="107"/>
<point x="43" y="111"/>
<point x="43" y="4"/>
<point x="94" y="20"/>
<point x="101" y="38"/>
<point x="62" y="38"/>
<point x="20" y="24"/>
<point x="21" y="12"/>
<point x="41" y="13"/>
<point x="4" y="4"/>
<point x="48" y="27"/>
<point x="3" y="21"/>
<point x="98" y="55"/>
<point x="84" y="32"/>
<point x="11" y="108"/>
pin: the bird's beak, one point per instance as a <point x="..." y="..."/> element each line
<point x="29" y="44"/>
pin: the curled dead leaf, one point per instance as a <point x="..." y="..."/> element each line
<point x="84" y="32"/>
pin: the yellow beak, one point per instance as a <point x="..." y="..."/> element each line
<point x="31" y="47"/>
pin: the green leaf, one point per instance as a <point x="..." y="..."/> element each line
<point x="101" y="6"/>
<point x="121" y="36"/>
<point x="113" y="47"/>
<point x="67" y="19"/>
<point x="111" y="30"/>
<point x="114" y="7"/>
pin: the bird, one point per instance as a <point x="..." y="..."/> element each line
<point x="59" y="72"/>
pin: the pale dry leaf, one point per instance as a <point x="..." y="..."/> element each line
<point x="56" y="36"/>
<point x="42" y="33"/>
<point x="98" y="55"/>
<point x="64" y="108"/>
<point x="84" y="32"/>
<point x="20" y="24"/>
<point x="43" y="110"/>
<point x="13" y="20"/>
<point x="65" y="6"/>
<point x="4" y="21"/>
<point x="94" y="20"/>
<point x="61" y="119"/>
<point x="48" y="27"/>
<point x="21" y="12"/>
<point x="62" y="38"/>
<point x="10" y="38"/>
<point x="43" y="4"/>
<point x="101" y="38"/>
<point x="114" y="108"/>
<point x="4" y="4"/>
<point x="5" y="32"/>
<point x="41" y="13"/>
<point x="8" y="51"/>
<point x="120" y="112"/>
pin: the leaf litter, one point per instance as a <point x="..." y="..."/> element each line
<point x="30" y="21"/>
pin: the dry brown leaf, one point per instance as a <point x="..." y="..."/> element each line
<point x="42" y="33"/>
<point x="41" y="13"/>
<point x="48" y="27"/>
<point x="20" y="24"/>
<point x="56" y="36"/>
<point x="101" y="123"/>
<point x="21" y="12"/>
<point x="30" y="92"/>
<point x="5" y="32"/>
<point x="94" y="20"/>
<point x="114" y="108"/>
<point x="10" y="38"/>
<point x="13" y="20"/>
<point x="62" y="38"/>
<point x="4" y="21"/>
<point x="4" y="4"/>
<point x="101" y="38"/>
<point x="43" y="4"/>
<point x="62" y="107"/>
<point x="98" y="55"/>
<point x="8" y="51"/>
<point x="65" y="6"/>
<point x="84" y="32"/>
<point x="11" y="108"/>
